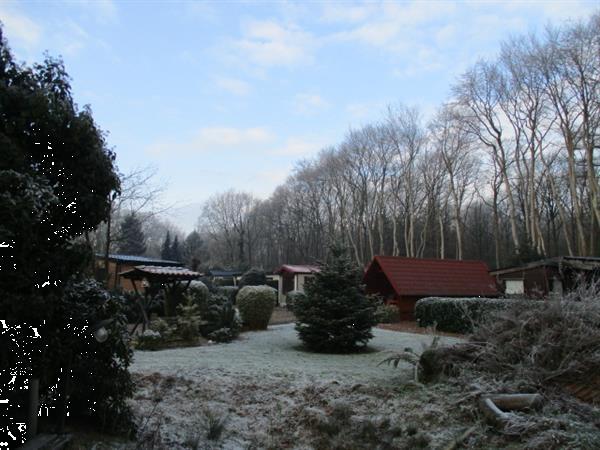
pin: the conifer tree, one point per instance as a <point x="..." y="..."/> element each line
<point x="335" y="315"/>
<point x="131" y="237"/>
<point x="165" y="252"/>
<point x="175" y="250"/>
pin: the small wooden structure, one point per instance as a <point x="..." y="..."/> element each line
<point x="547" y="277"/>
<point x="293" y="278"/>
<point x="173" y="281"/>
<point x="402" y="281"/>
<point x="118" y="264"/>
<point x="226" y="276"/>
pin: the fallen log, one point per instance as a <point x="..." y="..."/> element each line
<point x="493" y="407"/>
<point x="516" y="402"/>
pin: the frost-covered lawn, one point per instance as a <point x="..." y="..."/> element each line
<point x="277" y="354"/>
<point x="269" y="393"/>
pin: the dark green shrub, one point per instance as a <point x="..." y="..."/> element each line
<point x="101" y="382"/>
<point x="292" y="298"/>
<point x="149" y="340"/>
<point x="256" y="304"/>
<point x="457" y="315"/>
<point x="335" y="315"/>
<point x="219" y="320"/>
<point x="229" y="291"/>
<point x="253" y="277"/>
<point x="188" y="321"/>
<point x="198" y="291"/>
<point x="387" y="314"/>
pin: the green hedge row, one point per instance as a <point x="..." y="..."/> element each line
<point x="458" y="315"/>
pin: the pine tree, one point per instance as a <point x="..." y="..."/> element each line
<point x="131" y="237"/>
<point x="175" y="250"/>
<point x="335" y="315"/>
<point x="165" y="252"/>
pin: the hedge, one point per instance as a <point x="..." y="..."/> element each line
<point x="458" y="315"/>
<point x="256" y="304"/>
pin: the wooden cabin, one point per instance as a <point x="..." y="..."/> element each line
<point x="292" y="278"/>
<point x="402" y="281"/>
<point x="547" y="277"/>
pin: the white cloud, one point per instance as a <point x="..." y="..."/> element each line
<point x="19" y="27"/>
<point x="270" y="44"/>
<point x="295" y="146"/>
<point x="345" y="13"/>
<point x="309" y="103"/>
<point x="103" y="11"/>
<point x="233" y="85"/>
<point x="214" y="138"/>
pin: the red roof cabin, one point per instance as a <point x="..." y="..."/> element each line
<point x="402" y="281"/>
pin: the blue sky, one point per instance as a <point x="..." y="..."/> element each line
<point x="220" y="95"/>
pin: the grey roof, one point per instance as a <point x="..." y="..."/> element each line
<point x="134" y="259"/>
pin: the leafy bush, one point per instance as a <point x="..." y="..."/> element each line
<point x="198" y="291"/>
<point x="219" y="319"/>
<point x="335" y="315"/>
<point x="387" y="314"/>
<point x="256" y="304"/>
<point x="253" y="277"/>
<point x="188" y="321"/>
<point x="457" y="315"/>
<point x="229" y="291"/>
<point x="101" y="382"/>
<point x="161" y="326"/>
<point x="292" y="298"/>
<point x="149" y="340"/>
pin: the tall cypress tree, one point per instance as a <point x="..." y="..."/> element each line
<point x="335" y="315"/>
<point x="165" y="250"/>
<point x="131" y="237"/>
<point x="175" y="250"/>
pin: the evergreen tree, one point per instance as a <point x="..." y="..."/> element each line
<point x="165" y="252"/>
<point x="335" y="315"/>
<point x="175" y="250"/>
<point x="131" y="237"/>
<point x="193" y="250"/>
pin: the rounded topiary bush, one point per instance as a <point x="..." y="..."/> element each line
<point x="253" y="277"/>
<point x="256" y="304"/>
<point x="292" y="297"/>
<point x="198" y="292"/>
<point x="335" y="316"/>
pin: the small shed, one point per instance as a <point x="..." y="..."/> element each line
<point x="173" y="281"/>
<point x="227" y="277"/>
<point x="547" y="277"/>
<point x="293" y="278"/>
<point x="402" y="281"/>
<point x="118" y="263"/>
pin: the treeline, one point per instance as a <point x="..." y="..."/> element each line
<point x="506" y="171"/>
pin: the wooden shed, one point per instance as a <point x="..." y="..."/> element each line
<point x="121" y="263"/>
<point x="546" y="277"/>
<point x="292" y="278"/>
<point x="402" y="281"/>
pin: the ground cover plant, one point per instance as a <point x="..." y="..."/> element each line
<point x="335" y="315"/>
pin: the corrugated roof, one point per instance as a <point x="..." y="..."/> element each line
<point x="573" y="262"/>
<point x="289" y="268"/>
<point x="435" y="277"/>
<point x="140" y="260"/>
<point x="180" y="273"/>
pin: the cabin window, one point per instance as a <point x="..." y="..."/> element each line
<point x="514" y="287"/>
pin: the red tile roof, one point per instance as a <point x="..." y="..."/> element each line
<point x="435" y="277"/>
<point x="288" y="268"/>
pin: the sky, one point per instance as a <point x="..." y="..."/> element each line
<point x="231" y="95"/>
